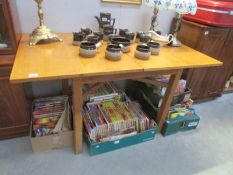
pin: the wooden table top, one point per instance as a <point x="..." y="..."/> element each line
<point x="60" y="60"/>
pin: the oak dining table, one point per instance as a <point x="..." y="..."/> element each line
<point x="61" y="61"/>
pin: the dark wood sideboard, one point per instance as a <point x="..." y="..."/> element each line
<point x="216" y="42"/>
<point x="14" y="108"/>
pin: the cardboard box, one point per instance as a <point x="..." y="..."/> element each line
<point x="50" y="142"/>
<point x="62" y="136"/>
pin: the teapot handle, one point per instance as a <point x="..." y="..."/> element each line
<point x="170" y="37"/>
<point x="115" y="30"/>
<point x="113" y="21"/>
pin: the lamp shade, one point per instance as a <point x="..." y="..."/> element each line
<point x="179" y="6"/>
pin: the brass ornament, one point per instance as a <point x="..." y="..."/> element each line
<point x="42" y="32"/>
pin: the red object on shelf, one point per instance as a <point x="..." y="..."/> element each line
<point x="213" y="12"/>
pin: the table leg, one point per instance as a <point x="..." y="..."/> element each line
<point x="168" y="98"/>
<point x="77" y="115"/>
<point x="65" y="86"/>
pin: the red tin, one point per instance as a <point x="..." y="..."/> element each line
<point x="213" y="12"/>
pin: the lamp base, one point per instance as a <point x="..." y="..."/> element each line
<point x="43" y="33"/>
<point x="175" y="42"/>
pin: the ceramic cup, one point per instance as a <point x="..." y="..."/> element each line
<point x="107" y="31"/>
<point x="154" y="47"/>
<point x="113" y="52"/>
<point x="99" y="34"/>
<point x="123" y="42"/>
<point x="86" y="31"/>
<point x="130" y="36"/>
<point x="88" y="49"/>
<point x="122" y="32"/>
<point x="78" y="37"/>
<point x="142" y="52"/>
<point x="138" y="34"/>
<point x="93" y="39"/>
<point x="144" y="38"/>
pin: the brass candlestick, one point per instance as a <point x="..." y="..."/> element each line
<point x="175" y="42"/>
<point x="154" y="22"/>
<point x="42" y="32"/>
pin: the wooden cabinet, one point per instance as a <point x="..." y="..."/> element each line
<point x="215" y="42"/>
<point x="14" y="109"/>
<point x="8" y="36"/>
<point x="14" y="118"/>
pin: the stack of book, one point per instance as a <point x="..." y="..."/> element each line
<point x="50" y="115"/>
<point x="114" y="118"/>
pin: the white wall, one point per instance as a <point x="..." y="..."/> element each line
<point x="70" y="15"/>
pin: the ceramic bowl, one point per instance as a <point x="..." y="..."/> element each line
<point x="154" y="47"/>
<point x="87" y="49"/>
<point x="142" y="52"/>
<point x="123" y="42"/>
<point x="113" y="52"/>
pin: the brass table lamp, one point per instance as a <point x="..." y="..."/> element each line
<point x="42" y="32"/>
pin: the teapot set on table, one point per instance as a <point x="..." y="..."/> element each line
<point x="89" y="41"/>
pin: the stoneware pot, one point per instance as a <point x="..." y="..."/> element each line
<point x="130" y="36"/>
<point x="88" y="49"/>
<point x="154" y="47"/>
<point x="122" y="32"/>
<point x="78" y="37"/>
<point x="123" y="42"/>
<point x="142" y="52"/>
<point x="113" y="52"/>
